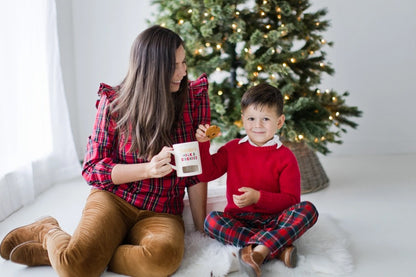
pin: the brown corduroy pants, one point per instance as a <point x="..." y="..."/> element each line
<point x="113" y="233"/>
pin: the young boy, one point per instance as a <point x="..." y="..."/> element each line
<point x="263" y="214"/>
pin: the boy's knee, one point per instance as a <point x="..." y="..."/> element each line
<point x="311" y="211"/>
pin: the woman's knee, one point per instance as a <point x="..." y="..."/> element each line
<point x="164" y="256"/>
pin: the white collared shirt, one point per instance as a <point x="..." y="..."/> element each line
<point x="273" y="141"/>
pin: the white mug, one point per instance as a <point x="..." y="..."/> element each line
<point x="187" y="159"/>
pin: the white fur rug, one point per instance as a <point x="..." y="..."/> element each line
<point x="321" y="250"/>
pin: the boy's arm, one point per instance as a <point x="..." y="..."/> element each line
<point x="213" y="166"/>
<point x="289" y="195"/>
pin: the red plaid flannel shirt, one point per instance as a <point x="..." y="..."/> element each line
<point x="104" y="151"/>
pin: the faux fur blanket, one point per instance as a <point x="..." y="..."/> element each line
<point x="321" y="250"/>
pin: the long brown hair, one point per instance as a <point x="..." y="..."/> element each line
<point x="146" y="109"/>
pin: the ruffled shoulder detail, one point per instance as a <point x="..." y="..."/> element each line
<point x="199" y="86"/>
<point x="108" y="91"/>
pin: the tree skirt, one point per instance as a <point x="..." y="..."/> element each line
<point x="321" y="250"/>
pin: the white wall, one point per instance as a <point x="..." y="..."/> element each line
<point x="374" y="56"/>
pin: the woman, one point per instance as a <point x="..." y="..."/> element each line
<point x="132" y="219"/>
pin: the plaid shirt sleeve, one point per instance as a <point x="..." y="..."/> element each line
<point x="200" y="109"/>
<point x="98" y="162"/>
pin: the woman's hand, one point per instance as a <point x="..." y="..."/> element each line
<point x="159" y="165"/>
<point x="249" y="197"/>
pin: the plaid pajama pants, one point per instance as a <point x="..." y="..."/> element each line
<point x="275" y="231"/>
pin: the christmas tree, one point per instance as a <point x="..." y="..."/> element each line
<point x="242" y="43"/>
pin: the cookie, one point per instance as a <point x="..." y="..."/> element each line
<point x="212" y="131"/>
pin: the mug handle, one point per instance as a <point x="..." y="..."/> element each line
<point x="173" y="166"/>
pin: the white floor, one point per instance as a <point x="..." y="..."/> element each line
<point x="372" y="197"/>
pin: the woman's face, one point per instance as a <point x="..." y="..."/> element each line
<point x="180" y="69"/>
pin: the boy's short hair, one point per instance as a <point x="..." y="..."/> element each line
<point x="263" y="95"/>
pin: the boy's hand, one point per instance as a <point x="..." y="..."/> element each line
<point x="206" y="132"/>
<point x="249" y="197"/>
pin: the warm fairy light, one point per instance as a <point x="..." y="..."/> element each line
<point x="265" y="36"/>
<point x="218" y="69"/>
<point x="327" y="91"/>
<point x="318" y="91"/>
<point x="238" y="30"/>
<point x="246" y="50"/>
<point x="321" y="64"/>
<point x="259" y="68"/>
<point x="268" y="26"/>
<point x="207" y="44"/>
<point x="334" y="99"/>
<point x="323" y="41"/>
<point x="234" y="26"/>
<point x="292" y="60"/>
<point x="262" y="13"/>
<point x="220" y="92"/>
<point x="255" y="74"/>
<point x="239" y="84"/>
<point x="330" y="117"/>
<point x="287" y="97"/>
<point x="272" y="76"/>
<point x="181" y="21"/>
<point x="317" y="23"/>
<point x="300" y="137"/>
<point x="206" y="14"/>
<point x="337" y="114"/>
<point x="284" y="64"/>
<point x="218" y="46"/>
<point x="264" y="2"/>
<point x="316" y="140"/>
<point x="190" y="11"/>
<point x="238" y="123"/>
<point x="200" y="50"/>
<point x="278" y="9"/>
<point x="311" y="52"/>
<point x="212" y="18"/>
<point x="279" y="16"/>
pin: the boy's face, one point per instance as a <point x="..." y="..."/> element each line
<point x="261" y="123"/>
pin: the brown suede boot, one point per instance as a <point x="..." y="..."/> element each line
<point x="30" y="253"/>
<point x="250" y="261"/>
<point x="32" y="232"/>
<point x="289" y="256"/>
